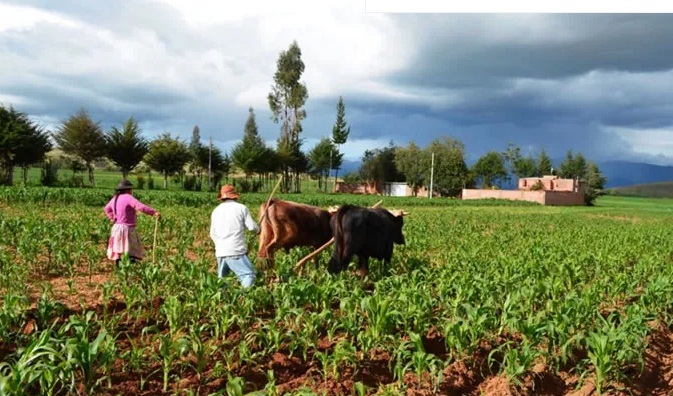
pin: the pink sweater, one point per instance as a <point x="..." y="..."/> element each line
<point x="125" y="210"/>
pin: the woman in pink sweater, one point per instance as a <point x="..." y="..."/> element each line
<point x="121" y="210"/>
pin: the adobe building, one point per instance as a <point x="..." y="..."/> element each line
<point x="545" y="190"/>
<point x="392" y="189"/>
<point x="358" y="188"/>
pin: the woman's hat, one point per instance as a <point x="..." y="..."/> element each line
<point x="124" y="185"/>
<point x="227" y="191"/>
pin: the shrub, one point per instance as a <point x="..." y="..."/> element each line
<point x="245" y="186"/>
<point x="49" y="174"/>
<point x="591" y="194"/>
<point x="192" y="184"/>
<point x="352" y="177"/>
<point x="75" y="181"/>
<point x="538" y="186"/>
<point x="140" y="181"/>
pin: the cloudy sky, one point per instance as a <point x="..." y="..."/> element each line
<point x="601" y="84"/>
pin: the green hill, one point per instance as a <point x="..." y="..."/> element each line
<point x="650" y="190"/>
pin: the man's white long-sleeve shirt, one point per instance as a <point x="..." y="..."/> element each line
<point x="227" y="228"/>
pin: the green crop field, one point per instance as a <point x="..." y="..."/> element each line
<point x="107" y="179"/>
<point x="486" y="297"/>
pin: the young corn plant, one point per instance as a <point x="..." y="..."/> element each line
<point x="36" y="369"/>
<point x="345" y="355"/>
<point x="423" y="362"/>
<point x="401" y="362"/>
<point x="170" y="350"/>
<point x="202" y="352"/>
<point x="12" y="315"/>
<point x="86" y="355"/>
<point x="133" y="357"/>
<point x="174" y="312"/>
<point x="382" y="316"/>
<point x="518" y="360"/>
<point x="47" y="309"/>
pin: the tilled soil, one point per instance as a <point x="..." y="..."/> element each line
<point x="470" y="376"/>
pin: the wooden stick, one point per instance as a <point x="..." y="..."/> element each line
<point x="266" y="208"/>
<point x="154" y="244"/>
<point x="325" y="246"/>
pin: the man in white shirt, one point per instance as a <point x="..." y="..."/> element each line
<point x="227" y="230"/>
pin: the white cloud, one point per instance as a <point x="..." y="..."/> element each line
<point x="345" y="50"/>
<point x="225" y="58"/>
<point x="206" y="13"/>
<point x="600" y="88"/>
<point x="14" y="100"/>
<point x="354" y="149"/>
<point x="650" y="142"/>
<point x="20" y="18"/>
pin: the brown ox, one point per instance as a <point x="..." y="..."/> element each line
<point x="290" y="224"/>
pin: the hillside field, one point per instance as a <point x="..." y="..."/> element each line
<point x="650" y="190"/>
<point x="486" y="297"/>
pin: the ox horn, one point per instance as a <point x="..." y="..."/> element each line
<point x="325" y="246"/>
<point x="398" y="212"/>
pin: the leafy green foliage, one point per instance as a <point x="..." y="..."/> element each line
<point x="290" y="156"/>
<point x="126" y="147"/>
<point x="544" y="164"/>
<point x="22" y="143"/>
<point x="220" y="167"/>
<point x="595" y="183"/>
<point x="250" y="154"/>
<point x="378" y="166"/>
<point x="320" y="157"/>
<point x="519" y="165"/>
<point x="286" y="100"/>
<point x="414" y="164"/>
<point x="573" y="166"/>
<point x="490" y="169"/>
<point x="451" y="174"/>
<point x="49" y="174"/>
<point x="340" y="133"/>
<point x="80" y="136"/>
<point x="167" y="155"/>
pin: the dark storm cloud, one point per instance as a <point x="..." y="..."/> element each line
<point x="554" y="81"/>
<point x="478" y="50"/>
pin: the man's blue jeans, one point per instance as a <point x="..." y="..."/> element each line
<point x="239" y="265"/>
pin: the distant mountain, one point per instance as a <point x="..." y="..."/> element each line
<point x="623" y="173"/>
<point x="618" y="173"/>
<point x="347" y="167"/>
<point x="650" y="190"/>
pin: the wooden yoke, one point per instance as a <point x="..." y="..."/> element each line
<point x="325" y="246"/>
<point x="266" y="208"/>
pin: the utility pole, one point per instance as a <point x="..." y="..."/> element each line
<point x="210" y="156"/>
<point x="432" y="172"/>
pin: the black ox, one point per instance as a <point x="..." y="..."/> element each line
<point x="364" y="232"/>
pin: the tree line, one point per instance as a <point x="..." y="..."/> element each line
<point x="450" y="172"/>
<point x="23" y="143"/>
